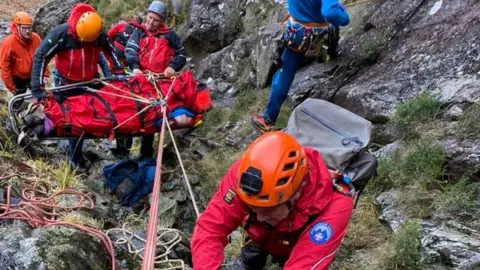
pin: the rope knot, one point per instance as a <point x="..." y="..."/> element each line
<point x="158" y="102"/>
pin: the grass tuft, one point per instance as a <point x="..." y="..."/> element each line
<point x="468" y="122"/>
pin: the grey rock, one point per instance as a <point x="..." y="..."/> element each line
<point x="266" y="50"/>
<point x="390" y="215"/>
<point x="168" y="212"/>
<point x="52" y="14"/>
<point x="388" y="150"/>
<point x="50" y="248"/>
<point x="214" y="24"/>
<point x="463" y="156"/>
<point x="442" y="63"/>
<point x="95" y="180"/>
<point x="4" y="29"/>
<point x="231" y="65"/>
<point x="451" y="244"/>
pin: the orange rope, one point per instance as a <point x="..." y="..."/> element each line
<point x="42" y="212"/>
<point x="149" y="259"/>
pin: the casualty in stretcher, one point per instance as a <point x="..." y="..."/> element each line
<point x="121" y="108"/>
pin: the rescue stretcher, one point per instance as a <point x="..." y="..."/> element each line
<point x="130" y="108"/>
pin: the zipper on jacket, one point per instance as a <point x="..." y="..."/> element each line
<point x="346" y="138"/>
<point x="83" y="63"/>
<point x="71" y="62"/>
<point x="151" y="53"/>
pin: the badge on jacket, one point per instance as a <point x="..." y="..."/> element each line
<point x="229" y="196"/>
<point x="321" y="233"/>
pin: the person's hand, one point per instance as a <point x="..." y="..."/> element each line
<point x="169" y="72"/>
<point x="19" y="91"/>
<point x="136" y="71"/>
<point x="40" y="97"/>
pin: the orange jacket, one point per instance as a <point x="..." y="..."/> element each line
<point x="16" y="57"/>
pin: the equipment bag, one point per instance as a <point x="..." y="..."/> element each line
<point x="340" y="136"/>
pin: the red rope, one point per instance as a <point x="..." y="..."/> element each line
<point x="150" y="246"/>
<point x="41" y="212"/>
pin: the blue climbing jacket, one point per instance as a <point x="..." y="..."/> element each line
<point x="140" y="172"/>
<point x="319" y="11"/>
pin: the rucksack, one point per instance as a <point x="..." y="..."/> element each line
<point x="340" y="136"/>
<point x="124" y="34"/>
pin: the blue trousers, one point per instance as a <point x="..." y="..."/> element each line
<point x="293" y="34"/>
<point x="282" y="80"/>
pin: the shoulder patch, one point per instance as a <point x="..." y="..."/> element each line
<point x="229" y="196"/>
<point x="321" y="233"/>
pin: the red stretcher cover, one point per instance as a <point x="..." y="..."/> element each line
<point x="98" y="113"/>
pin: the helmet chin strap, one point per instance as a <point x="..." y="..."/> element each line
<point x="291" y="201"/>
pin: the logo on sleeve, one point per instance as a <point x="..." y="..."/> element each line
<point x="321" y="233"/>
<point x="229" y="196"/>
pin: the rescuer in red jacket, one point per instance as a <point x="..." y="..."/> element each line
<point x="282" y="195"/>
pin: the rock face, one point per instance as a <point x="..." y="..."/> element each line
<point x="451" y="244"/>
<point x="52" y="248"/>
<point x="52" y="14"/>
<point x="244" y="62"/>
<point x="231" y="65"/>
<point x="463" y="157"/>
<point x="443" y="243"/>
<point x="446" y="60"/>
<point x="390" y="216"/>
<point x="4" y="29"/>
<point x="214" y="24"/>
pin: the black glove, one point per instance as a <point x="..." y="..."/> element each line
<point x="20" y="91"/>
<point x="59" y="97"/>
<point x="39" y="94"/>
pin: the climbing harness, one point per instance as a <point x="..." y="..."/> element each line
<point x="307" y="38"/>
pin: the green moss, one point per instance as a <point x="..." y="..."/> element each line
<point x="371" y="49"/>
<point x="65" y="248"/>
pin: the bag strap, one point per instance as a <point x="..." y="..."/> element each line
<point x="67" y="131"/>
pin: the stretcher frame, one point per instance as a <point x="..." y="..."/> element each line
<point x="13" y="117"/>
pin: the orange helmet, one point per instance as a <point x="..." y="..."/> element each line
<point x="22" y="18"/>
<point x="271" y="170"/>
<point x="89" y="26"/>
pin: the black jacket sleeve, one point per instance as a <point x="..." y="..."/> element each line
<point x="50" y="46"/>
<point x="109" y="49"/>
<point x="133" y="48"/>
<point x="176" y="43"/>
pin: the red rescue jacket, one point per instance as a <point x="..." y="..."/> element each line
<point x="291" y="237"/>
<point x="75" y="60"/>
